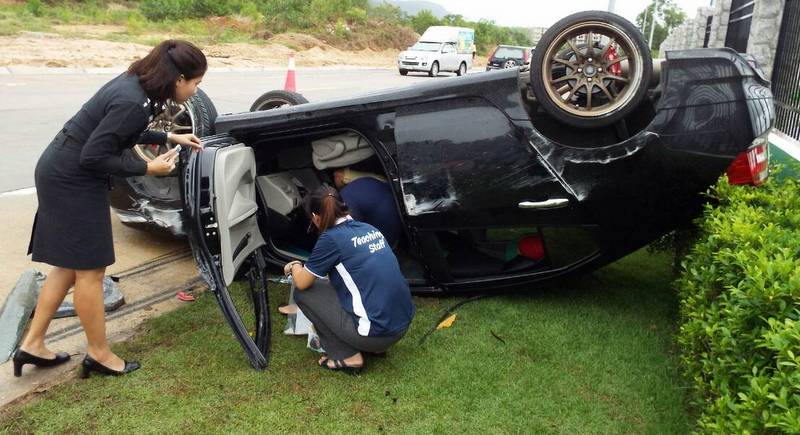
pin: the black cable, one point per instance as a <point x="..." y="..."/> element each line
<point x="449" y="311"/>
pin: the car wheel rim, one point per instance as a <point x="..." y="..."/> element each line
<point x="592" y="79"/>
<point x="273" y="103"/>
<point x="435" y="69"/>
<point x="174" y="118"/>
<point x="463" y="69"/>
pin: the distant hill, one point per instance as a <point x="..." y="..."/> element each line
<point x="412" y="7"/>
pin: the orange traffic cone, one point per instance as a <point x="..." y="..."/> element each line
<point x="290" y="84"/>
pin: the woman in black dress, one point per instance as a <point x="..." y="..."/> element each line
<point x="72" y="228"/>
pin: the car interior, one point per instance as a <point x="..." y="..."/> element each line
<point x="289" y="168"/>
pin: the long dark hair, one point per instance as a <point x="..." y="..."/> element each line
<point x="325" y="202"/>
<point x="161" y="68"/>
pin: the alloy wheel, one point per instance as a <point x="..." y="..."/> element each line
<point x="592" y="68"/>
<point x="174" y="118"/>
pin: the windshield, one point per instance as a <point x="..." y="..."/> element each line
<point x="426" y="46"/>
<point x="508" y="52"/>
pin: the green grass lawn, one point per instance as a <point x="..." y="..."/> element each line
<point x="587" y="355"/>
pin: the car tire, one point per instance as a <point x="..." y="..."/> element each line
<point x="562" y="97"/>
<point x="403" y="72"/>
<point x="277" y="98"/>
<point x="434" y="72"/>
<point x="462" y="69"/>
<point x="205" y="113"/>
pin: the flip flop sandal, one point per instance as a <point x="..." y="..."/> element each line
<point x="340" y="366"/>
<point x="186" y="296"/>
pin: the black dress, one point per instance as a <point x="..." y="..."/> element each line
<point x="72" y="228"/>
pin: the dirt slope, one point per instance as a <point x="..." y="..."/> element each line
<point x="77" y="46"/>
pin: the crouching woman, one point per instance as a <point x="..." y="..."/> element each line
<point x="365" y="306"/>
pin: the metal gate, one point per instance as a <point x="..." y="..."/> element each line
<point x="786" y="72"/>
<point x="739" y="24"/>
<point x="708" y="31"/>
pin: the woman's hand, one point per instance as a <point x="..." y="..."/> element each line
<point x="187" y="139"/>
<point x="288" y="268"/>
<point x="163" y="164"/>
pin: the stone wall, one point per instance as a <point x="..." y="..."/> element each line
<point x="764" y="30"/>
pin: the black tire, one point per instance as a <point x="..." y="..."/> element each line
<point x="277" y="98"/>
<point x="462" y="69"/>
<point x="434" y="72"/>
<point x="403" y="72"/>
<point x="540" y="62"/>
<point x="204" y="114"/>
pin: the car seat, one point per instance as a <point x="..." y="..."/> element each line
<point x="340" y="150"/>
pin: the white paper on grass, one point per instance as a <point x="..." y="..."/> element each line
<point x="298" y="324"/>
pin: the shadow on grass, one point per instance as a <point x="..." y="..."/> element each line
<point x="586" y="355"/>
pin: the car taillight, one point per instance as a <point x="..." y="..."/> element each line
<point x="525" y="56"/>
<point x="751" y="166"/>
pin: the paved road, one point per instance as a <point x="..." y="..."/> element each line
<point x="33" y="107"/>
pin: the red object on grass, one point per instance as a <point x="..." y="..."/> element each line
<point x="531" y="247"/>
<point x="185" y="296"/>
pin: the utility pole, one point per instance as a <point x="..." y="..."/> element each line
<point x="611" y="5"/>
<point x="652" y="23"/>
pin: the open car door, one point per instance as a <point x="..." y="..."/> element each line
<point x="221" y="207"/>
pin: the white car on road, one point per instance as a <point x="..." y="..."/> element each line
<point x="432" y="57"/>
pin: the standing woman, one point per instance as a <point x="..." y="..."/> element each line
<point x="72" y="228"/>
<point x="366" y="306"/>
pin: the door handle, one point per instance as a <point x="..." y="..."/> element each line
<point x="544" y="205"/>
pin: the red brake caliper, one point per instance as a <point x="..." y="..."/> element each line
<point x="615" y="69"/>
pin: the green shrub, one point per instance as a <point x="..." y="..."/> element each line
<point x="740" y="306"/>
<point x="34" y="7"/>
<point x="159" y="10"/>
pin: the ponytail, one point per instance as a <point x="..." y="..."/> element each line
<point x="326" y="203"/>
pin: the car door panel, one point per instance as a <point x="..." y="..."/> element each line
<point x="469" y="176"/>
<point x="462" y="162"/>
<point x="235" y="207"/>
<point x="220" y="203"/>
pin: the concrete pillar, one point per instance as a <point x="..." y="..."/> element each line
<point x="764" y="32"/>
<point x="719" y="25"/>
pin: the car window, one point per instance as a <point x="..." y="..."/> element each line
<point x="448" y="49"/>
<point x="507" y="52"/>
<point x="426" y="46"/>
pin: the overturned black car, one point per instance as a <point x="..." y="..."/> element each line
<point x="501" y="178"/>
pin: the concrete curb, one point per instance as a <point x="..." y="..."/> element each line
<point x="35" y="70"/>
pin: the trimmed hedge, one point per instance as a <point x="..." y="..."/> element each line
<point x="740" y="310"/>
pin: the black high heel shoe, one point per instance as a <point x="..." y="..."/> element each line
<point x="90" y="365"/>
<point x="21" y="358"/>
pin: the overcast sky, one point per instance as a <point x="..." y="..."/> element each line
<point x="543" y="13"/>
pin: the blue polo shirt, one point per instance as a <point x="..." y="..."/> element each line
<point x="367" y="278"/>
<point x="372" y="201"/>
